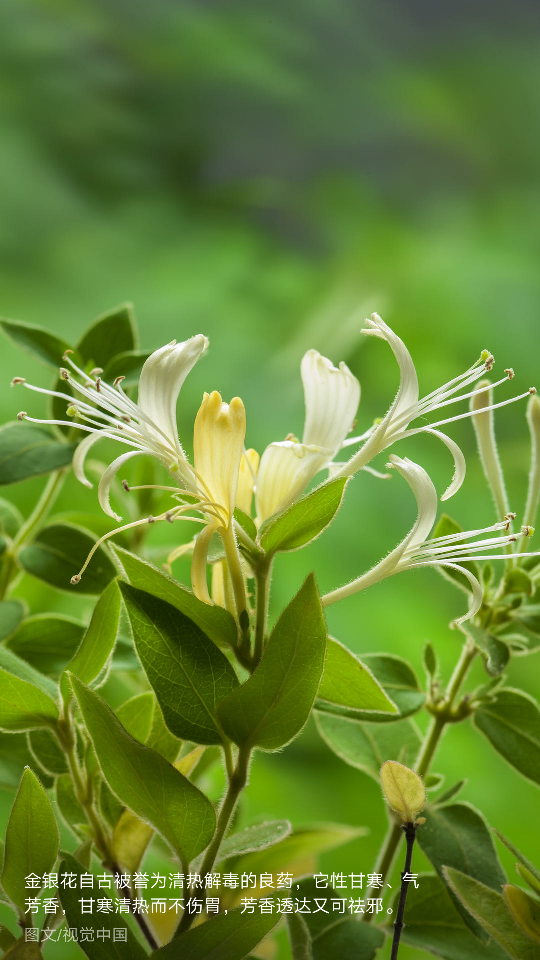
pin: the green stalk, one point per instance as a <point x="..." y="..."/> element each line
<point x="443" y="715"/>
<point x="236" y="785"/>
<point x="9" y="565"/>
<point x="262" y="583"/>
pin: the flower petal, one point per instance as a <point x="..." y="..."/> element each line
<point x="198" y="563"/>
<point x="107" y="478"/>
<point x="80" y="456"/>
<point x="460" y="466"/>
<point x="331" y="398"/>
<point x="218" y="444"/>
<point x="426" y="498"/>
<point x="408" y="392"/>
<point x="284" y="472"/>
<point x="161" y="379"/>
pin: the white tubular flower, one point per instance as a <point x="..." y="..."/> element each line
<point x="416" y="550"/>
<point x="148" y="426"/>
<point x="331" y="397"/>
<point x="284" y="472"/>
<point x="408" y="406"/>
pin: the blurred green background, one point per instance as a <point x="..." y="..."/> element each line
<point x="269" y="174"/>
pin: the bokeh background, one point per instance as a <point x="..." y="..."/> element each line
<point x="269" y="174"/>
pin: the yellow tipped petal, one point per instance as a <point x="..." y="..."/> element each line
<point x="198" y="563"/>
<point x="249" y="465"/>
<point x="218" y="443"/>
<point x="403" y="789"/>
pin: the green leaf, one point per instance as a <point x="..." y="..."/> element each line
<point x="161" y="739"/>
<point x="14" y="757"/>
<point x="490" y="909"/>
<point x="128" y="365"/>
<point x="7" y="938"/>
<point x="530" y="867"/>
<point x="433" y="781"/>
<point x="11" y="614"/>
<point x="517" y="581"/>
<point x="29" y="450"/>
<point x="187" y="671"/>
<point x="450" y="793"/>
<point x="31" y="838"/>
<point x="229" y="936"/>
<point x="35" y="340"/>
<point x="511" y="723"/>
<point x="399" y="682"/>
<point x="23" y="705"/>
<point x="525" y="910"/>
<point x="271" y="708"/>
<point x="348" y="683"/>
<point x="98" y="642"/>
<point x="21" y="950"/>
<point x="109" y="805"/>
<point x="331" y="936"/>
<point x="368" y="745"/>
<point x="47" y="641"/>
<point x="495" y="653"/>
<point x="11" y="519"/>
<point x="299" y="937"/>
<point x="305" y="520"/>
<point x="136" y="715"/>
<point x="112" y="333"/>
<point x="145" y="782"/>
<point x="432" y="923"/>
<point x="67" y="802"/>
<point x="246" y="522"/>
<point x="214" y="621"/>
<point x="458" y="836"/>
<point x="258" y="837"/>
<point x="301" y="846"/>
<point x="97" y="949"/>
<point x="59" y="551"/>
<point x="430" y="661"/>
<point x="529" y="878"/>
<point x="47" y="751"/>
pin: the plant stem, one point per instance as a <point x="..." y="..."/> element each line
<point x="138" y="917"/>
<point x="52" y="489"/>
<point x="236" y="785"/>
<point x="410" y="836"/>
<point x="442" y="716"/>
<point x="262" y="582"/>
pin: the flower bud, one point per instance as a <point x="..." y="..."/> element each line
<point x="403" y="790"/>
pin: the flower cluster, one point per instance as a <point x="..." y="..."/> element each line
<point x="225" y="476"/>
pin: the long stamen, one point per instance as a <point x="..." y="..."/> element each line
<point x="494" y="406"/>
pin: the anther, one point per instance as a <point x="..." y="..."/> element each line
<point x="125" y="418"/>
<point x="489" y="362"/>
<point x="512" y="539"/>
<point x="17" y="380"/>
<point x="96" y="371"/>
<point x="527" y="531"/>
<point x="66" y="353"/>
<point x="118" y="380"/>
<point x="64" y="373"/>
<point x="22" y="415"/>
<point x="98" y="384"/>
<point x="125" y="485"/>
<point x="532" y="390"/>
<point x="76" y="578"/>
<point x="151" y="519"/>
<point x="510" y="372"/>
<point x="169" y="516"/>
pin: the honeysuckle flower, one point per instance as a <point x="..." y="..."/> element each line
<point x="148" y="426"/>
<point x="247" y="478"/>
<point x="417" y="550"/>
<point x="408" y="406"/>
<point x="331" y="397"/>
<point x="218" y="444"/>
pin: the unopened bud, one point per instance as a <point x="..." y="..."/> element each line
<point x="403" y="789"/>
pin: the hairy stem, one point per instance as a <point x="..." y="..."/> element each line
<point x="262" y="582"/>
<point x="236" y="785"/>
<point x="410" y="836"/>
<point x="442" y="717"/>
<point x="9" y="565"/>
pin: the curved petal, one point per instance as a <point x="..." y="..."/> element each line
<point x="331" y="398"/>
<point x="284" y="472"/>
<point x="426" y="498"/>
<point x="80" y="456"/>
<point x="476" y="588"/>
<point x="161" y="379"/>
<point x="408" y="392"/>
<point x="460" y="466"/>
<point x="107" y="478"/>
<point x="198" y="563"/>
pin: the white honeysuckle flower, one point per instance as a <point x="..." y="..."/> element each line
<point x="285" y="469"/>
<point x="148" y="426"/>
<point x="408" y="406"/>
<point x="247" y="479"/>
<point x="416" y="550"/>
<point x="331" y="397"/>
